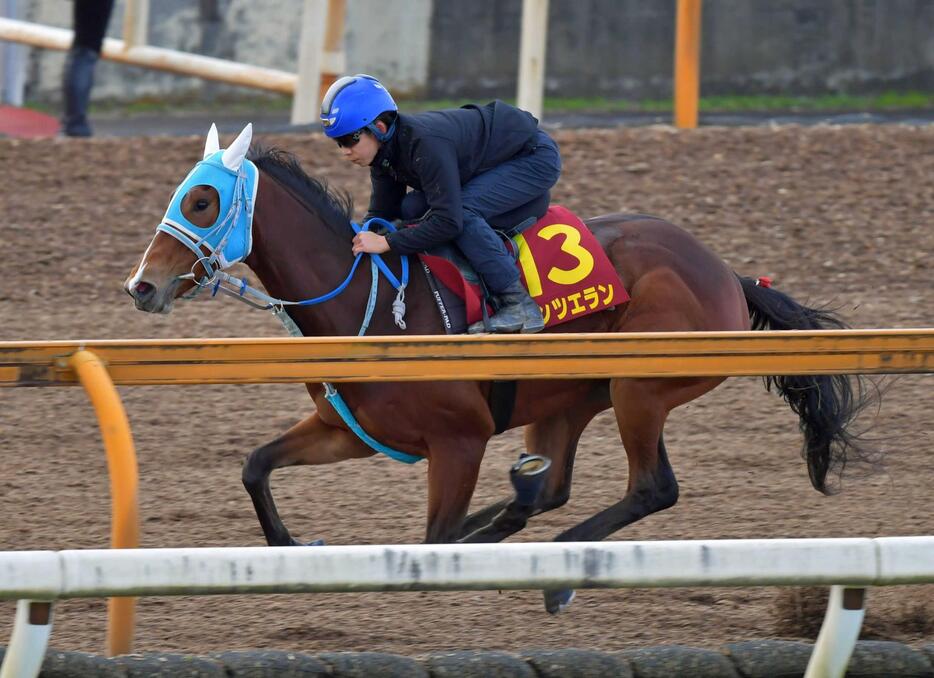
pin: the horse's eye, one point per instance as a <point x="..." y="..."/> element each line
<point x="201" y="205"/>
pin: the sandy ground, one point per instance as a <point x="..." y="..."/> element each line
<point x="839" y="215"/>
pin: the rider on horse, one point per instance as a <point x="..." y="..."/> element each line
<point x="466" y="166"/>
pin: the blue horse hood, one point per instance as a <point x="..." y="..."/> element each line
<point x="230" y="237"/>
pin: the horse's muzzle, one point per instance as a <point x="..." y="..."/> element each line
<point x="147" y="297"/>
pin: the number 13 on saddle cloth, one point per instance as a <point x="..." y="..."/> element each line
<point x="565" y="269"/>
<point x="562" y="265"/>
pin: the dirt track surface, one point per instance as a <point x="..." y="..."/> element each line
<point x="843" y="215"/>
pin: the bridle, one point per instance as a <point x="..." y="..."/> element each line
<point x="213" y="261"/>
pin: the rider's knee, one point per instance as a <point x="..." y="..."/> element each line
<point x="554" y="171"/>
<point x="472" y="218"/>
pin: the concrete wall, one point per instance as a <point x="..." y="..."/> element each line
<point x="833" y="46"/>
<point x="261" y="32"/>
<point x="613" y="48"/>
<point x="390" y="40"/>
<point x="624" y="48"/>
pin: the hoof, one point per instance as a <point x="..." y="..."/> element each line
<point x="316" y="542"/>
<point x="558" y="601"/>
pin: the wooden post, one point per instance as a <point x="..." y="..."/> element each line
<point x="687" y="62"/>
<point x="12" y="61"/>
<point x="305" y="101"/>
<point x="532" y="42"/>
<point x="135" y="23"/>
<point x="333" y="46"/>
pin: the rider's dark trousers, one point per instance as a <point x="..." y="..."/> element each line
<point x="497" y="191"/>
<point x="90" y="24"/>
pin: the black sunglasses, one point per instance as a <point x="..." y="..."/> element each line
<point x="349" y="140"/>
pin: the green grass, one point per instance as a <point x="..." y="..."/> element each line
<point x="182" y="103"/>
<point x="191" y="103"/>
<point x="886" y="101"/>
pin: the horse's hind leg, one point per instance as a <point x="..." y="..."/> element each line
<point x="309" y="442"/>
<point x="554" y="438"/>
<point x="641" y="407"/>
<point x="483" y="517"/>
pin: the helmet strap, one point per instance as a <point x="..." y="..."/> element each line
<point x="382" y="136"/>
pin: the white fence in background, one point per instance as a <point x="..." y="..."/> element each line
<point x="849" y="565"/>
<point x="320" y="54"/>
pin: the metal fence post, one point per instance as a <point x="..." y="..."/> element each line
<point x="838" y="633"/>
<point x="31" y="630"/>
<point x="124" y="483"/>
<point x="687" y="62"/>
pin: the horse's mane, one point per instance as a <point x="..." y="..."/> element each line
<point x="335" y="207"/>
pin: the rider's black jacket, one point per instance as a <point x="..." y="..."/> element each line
<point x="437" y="152"/>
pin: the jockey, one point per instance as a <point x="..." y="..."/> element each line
<point x="466" y="166"/>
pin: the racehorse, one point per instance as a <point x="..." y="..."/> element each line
<point x="299" y="245"/>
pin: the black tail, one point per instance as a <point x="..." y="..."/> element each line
<point x="826" y="404"/>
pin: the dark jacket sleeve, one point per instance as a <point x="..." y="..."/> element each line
<point x="434" y="161"/>
<point x="385" y="197"/>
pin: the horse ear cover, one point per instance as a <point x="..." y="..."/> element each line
<point x="211" y="145"/>
<point x="236" y="152"/>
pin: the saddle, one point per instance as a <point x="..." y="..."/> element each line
<point x="560" y="262"/>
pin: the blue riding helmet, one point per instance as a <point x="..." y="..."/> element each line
<point x="354" y="102"/>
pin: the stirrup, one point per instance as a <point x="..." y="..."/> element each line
<point x="480" y="327"/>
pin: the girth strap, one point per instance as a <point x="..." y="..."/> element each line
<point x="502" y="403"/>
<point x="341" y="408"/>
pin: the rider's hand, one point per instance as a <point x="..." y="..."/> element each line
<point x="371" y="243"/>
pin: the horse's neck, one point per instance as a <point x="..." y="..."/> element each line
<point x="297" y="256"/>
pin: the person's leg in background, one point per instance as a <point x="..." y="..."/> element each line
<point x="514" y="183"/>
<point x="90" y="25"/>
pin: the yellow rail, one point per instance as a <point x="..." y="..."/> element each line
<point x="124" y="483"/>
<point x="426" y="358"/>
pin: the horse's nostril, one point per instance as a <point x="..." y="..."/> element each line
<point x="144" y="289"/>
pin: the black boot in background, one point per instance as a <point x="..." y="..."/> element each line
<point x="79" y="78"/>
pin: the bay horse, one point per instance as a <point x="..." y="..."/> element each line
<point x="300" y="246"/>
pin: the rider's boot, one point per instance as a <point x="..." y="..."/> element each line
<point x="516" y="312"/>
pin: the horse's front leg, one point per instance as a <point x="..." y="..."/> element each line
<point x="453" y="467"/>
<point x="310" y="442"/>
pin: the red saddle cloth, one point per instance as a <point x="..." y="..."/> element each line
<point x="560" y="263"/>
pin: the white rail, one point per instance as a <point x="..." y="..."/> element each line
<point x="750" y="562"/>
<point x="849" y="563"/>
<point x="181" y="63"/>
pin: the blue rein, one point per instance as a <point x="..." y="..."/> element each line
<point x="383" y="267"/>
<point x="240" y="289"/>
